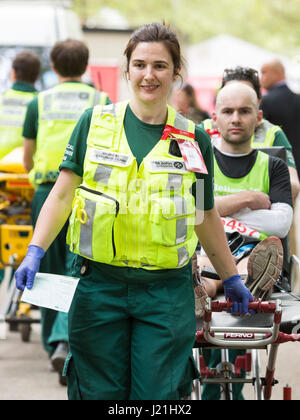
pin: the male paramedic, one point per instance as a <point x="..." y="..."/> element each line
<point x="49" y="122"/>
<point x="13" y="103"/>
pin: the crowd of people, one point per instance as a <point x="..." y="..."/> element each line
<point x="116" y="205"/>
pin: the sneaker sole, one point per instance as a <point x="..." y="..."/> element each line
<point x="264" y="266"/>
<point x="58" y="364"/>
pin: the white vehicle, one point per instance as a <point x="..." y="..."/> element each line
<point x="34" y="25"/>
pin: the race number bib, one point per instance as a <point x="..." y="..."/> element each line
<point x="232" y="225"/>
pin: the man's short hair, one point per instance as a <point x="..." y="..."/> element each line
<point x="27" y="66"/>
<point x="243" y="74"/>
<point x="70" y="58"/>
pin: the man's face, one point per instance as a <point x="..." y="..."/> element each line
<point x="268" y="77"/>
<point x="237" y="115"/>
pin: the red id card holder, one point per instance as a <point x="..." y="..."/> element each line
<point x="192" y="156"/>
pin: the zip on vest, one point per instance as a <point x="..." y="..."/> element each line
<point x="110" y="198"/>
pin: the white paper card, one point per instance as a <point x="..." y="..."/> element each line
<point x="51" y="291"/>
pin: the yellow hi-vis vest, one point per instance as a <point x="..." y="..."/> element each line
<point x="128" y="216"/>
<point x="13" y="105"/>
<point x="257" y="179"/>
<point x="59" y="110"/>
<point x="264" y="135"/>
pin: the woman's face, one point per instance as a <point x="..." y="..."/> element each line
<point x="151" y="72"/>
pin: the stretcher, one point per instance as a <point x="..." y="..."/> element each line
<point x="16" y="195"/>
<point x="275" y="322"/>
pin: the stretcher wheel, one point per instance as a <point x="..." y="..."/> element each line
<point x="25" y="330"/>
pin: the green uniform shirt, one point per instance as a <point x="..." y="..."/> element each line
<point x="23" y="87"/>
<point x="30" y="127"/>
<point x="136" y="130"/>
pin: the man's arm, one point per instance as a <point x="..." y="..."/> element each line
<point x="233" y="203"/>
<point x="29" y="151"/>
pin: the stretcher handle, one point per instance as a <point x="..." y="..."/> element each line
<point x="242" y="343"/>
<point x="259" y="306"/>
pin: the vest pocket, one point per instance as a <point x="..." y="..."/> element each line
<point x="172" y="219"/>
<point x="92" y="225"/>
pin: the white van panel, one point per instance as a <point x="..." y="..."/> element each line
<point x="33" y="24"/>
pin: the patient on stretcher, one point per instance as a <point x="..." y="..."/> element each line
<point x="252" y="195"/>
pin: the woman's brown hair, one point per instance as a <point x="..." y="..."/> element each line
<point x="156" y="32"/>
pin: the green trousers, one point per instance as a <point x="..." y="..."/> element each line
<point x="57" y="260"/>
<point x="130" y="338"/>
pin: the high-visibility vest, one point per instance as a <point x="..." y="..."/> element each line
<point x="264" y="135"/>
<point x="59" y="110"/>
<point x="257" y="179"/>
<point x="13" y="105"/>
<point x="128" y="216"/>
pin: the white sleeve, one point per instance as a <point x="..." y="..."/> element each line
<point x="274" y="222"/>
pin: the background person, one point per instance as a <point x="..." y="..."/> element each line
<point x="280" y="105"/>
<point x="185" y="102"/>
<point x="132" y="322"/>
<point x="13" y="103"/>
<point x="49" y="122"/>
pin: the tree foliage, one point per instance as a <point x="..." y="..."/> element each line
<point x="272" y="24"/>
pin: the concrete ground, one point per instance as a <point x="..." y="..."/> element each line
<point x="24" y="370"/>
<point x="25" y="375"/>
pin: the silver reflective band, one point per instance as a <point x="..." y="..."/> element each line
<point x="183" y="256"/>
<point x="110" y="110"/>
<point x="181" y="123"/>
<point x="102" y="174"/>
<point x="15" y="102"/>
<point x="180" y="204"/>
<point x="11" y="123"/>
<point x="86" y="230"/>
<point x="55" y="116"/>
<point x="174" y="182"/>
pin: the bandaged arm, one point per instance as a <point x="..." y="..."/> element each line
<point x="274" y="222"/>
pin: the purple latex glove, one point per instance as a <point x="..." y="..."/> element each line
<point x="237" y="292"/>
<point x="25" y="274"/>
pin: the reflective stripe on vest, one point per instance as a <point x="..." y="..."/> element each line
<point x="256" y="180"/>
<point x="128" y="216"/>
<point x="59" y="110"/>
<point x="264" y="135"/>
<point x="13" y="105"/>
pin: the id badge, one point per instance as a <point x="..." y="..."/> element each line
<point x="192" y="156"/>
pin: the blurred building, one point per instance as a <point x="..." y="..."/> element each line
<point x="207" y="61"/>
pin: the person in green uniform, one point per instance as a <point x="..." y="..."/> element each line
<point x="134" y="227"/>
<point x="13" y="103"/>
<point x="266" y="134"/>
<point x="49" y="122"/>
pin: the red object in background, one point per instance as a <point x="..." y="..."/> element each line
<point x="287" y="393"/>
<point x="106" y="79"/>
<point x="206" y="89"/>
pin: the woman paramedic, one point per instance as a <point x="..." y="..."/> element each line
<point x="132" y="226"/>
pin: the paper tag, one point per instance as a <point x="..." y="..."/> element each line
<point x="192" y="156"/>
<point x="51" y="291"/>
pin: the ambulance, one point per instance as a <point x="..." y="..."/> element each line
<point x="34" y="25"/>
